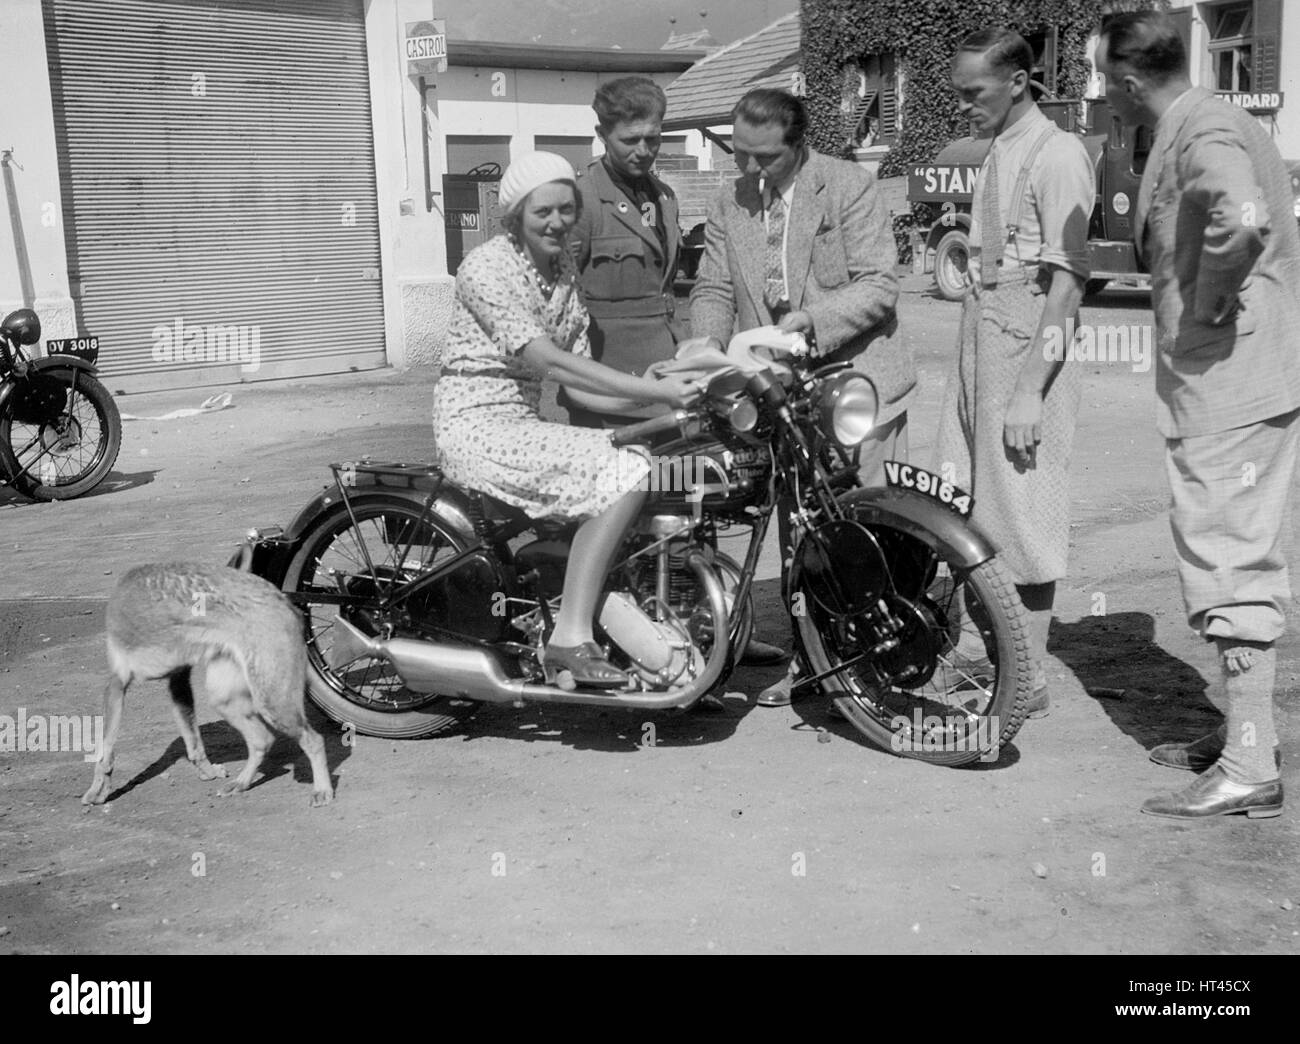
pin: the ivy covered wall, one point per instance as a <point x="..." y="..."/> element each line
<point x="924" y="34"/>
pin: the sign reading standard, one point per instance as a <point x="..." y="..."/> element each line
<point x="426" y="47"/>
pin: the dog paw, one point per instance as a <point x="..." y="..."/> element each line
<point x="207" y="770"/>
<point x="321" y="797"/>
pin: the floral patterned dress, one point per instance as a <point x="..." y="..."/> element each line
<point x="487" y="427"/>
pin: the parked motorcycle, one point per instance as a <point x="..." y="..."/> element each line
<point x="421" y="597"/>
<point x="59" y="427"/>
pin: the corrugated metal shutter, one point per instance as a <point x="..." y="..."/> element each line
<point x="218" y="184"/>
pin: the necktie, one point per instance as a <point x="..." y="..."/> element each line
<point x="992" y="234"/>
<point x="774" y="295"/>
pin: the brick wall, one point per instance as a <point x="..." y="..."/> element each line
<point x="694" y="188"/>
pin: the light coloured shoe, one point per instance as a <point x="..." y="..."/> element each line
<point x="779" y="693"/>
<point x="586" y="664"/>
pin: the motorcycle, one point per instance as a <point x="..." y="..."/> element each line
<point x="421" y="597"/>
<point x="60" y="430"/>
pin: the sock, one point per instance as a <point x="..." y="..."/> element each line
<point x="1249" y="671"/>
<point x="1040" y="621"/>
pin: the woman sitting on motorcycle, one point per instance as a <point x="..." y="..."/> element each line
<point x="517" y="318"/>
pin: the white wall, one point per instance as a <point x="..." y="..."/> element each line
<point x="33" y="259"/>
<point x="417" y="290"/>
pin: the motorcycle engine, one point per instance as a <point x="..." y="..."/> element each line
<point x="660" y="653"/>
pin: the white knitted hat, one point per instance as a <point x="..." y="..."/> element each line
<point x="530" y="171"/>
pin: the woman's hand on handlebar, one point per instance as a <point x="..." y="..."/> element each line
<point x="678" y="392"/>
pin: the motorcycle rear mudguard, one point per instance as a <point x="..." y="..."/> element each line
<point x="267" y="553"/>
<point x="916" y="515"/>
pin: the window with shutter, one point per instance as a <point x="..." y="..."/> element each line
<point x="869" y="102"/>
<point x="1268" y="36"/>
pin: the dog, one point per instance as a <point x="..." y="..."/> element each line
<point x="234" y="634"/>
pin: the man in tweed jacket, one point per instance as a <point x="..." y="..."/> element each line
<point x="1213" y="222"/>
<point x="839" y="259"/>
<point x="802" y="241"/>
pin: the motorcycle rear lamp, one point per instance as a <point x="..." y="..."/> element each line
<point x="846" y="407"/>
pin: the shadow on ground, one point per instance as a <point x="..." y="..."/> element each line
<point x="1148" y="694"/>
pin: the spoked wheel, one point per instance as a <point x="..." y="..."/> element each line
<point x="390" y="543"/>
<point x="954" y="688"/>
<point x="63" y="436"/>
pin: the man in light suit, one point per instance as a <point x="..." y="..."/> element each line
<point x="1214" y="223"/>
<point x="802" y="240"/>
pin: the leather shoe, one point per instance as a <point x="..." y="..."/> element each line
<point x="1196" y="756"/>
<point x="778" y="694"/>
<point x="1039" y="705"/>
<point x="585" y="662"/>
<point x="1214" y="794"/>
<point x="759" y="653"/>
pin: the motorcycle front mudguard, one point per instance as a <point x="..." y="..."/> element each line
<point x="916" y="515"/>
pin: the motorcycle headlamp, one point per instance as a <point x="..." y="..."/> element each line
<point x="846" y="408"/>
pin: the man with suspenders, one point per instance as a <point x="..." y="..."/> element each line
<point x="1008" y="419"/>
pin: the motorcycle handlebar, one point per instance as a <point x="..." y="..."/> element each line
<point x="655" y="425"/>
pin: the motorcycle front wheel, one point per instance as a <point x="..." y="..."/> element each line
<point x="391" y="541"/>
<point x="60" y="433"/>
<point x="949" y="711"/>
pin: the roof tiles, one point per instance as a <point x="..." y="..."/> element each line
<point x="705" y="94"/>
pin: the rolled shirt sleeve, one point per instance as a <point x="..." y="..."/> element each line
<point x="1065" y="193"/>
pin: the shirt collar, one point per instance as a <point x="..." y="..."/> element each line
<point x="630" y="186"/>
<point x="1033" y="118"/>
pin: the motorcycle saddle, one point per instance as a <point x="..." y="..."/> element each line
<point x="500" y="514"/>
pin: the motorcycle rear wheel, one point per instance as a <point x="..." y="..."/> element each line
<point x="935" y="722"/>
<point x="367" y="694"/>
<point x="66" y="454"/>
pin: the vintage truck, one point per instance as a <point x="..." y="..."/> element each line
<point x="1118" y="154"/>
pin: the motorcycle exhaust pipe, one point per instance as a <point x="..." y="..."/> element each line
<point x="476" y="674"/>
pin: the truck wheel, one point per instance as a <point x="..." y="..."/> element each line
<point x="1094" y="286"/>
<point x="950" y="259"/>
